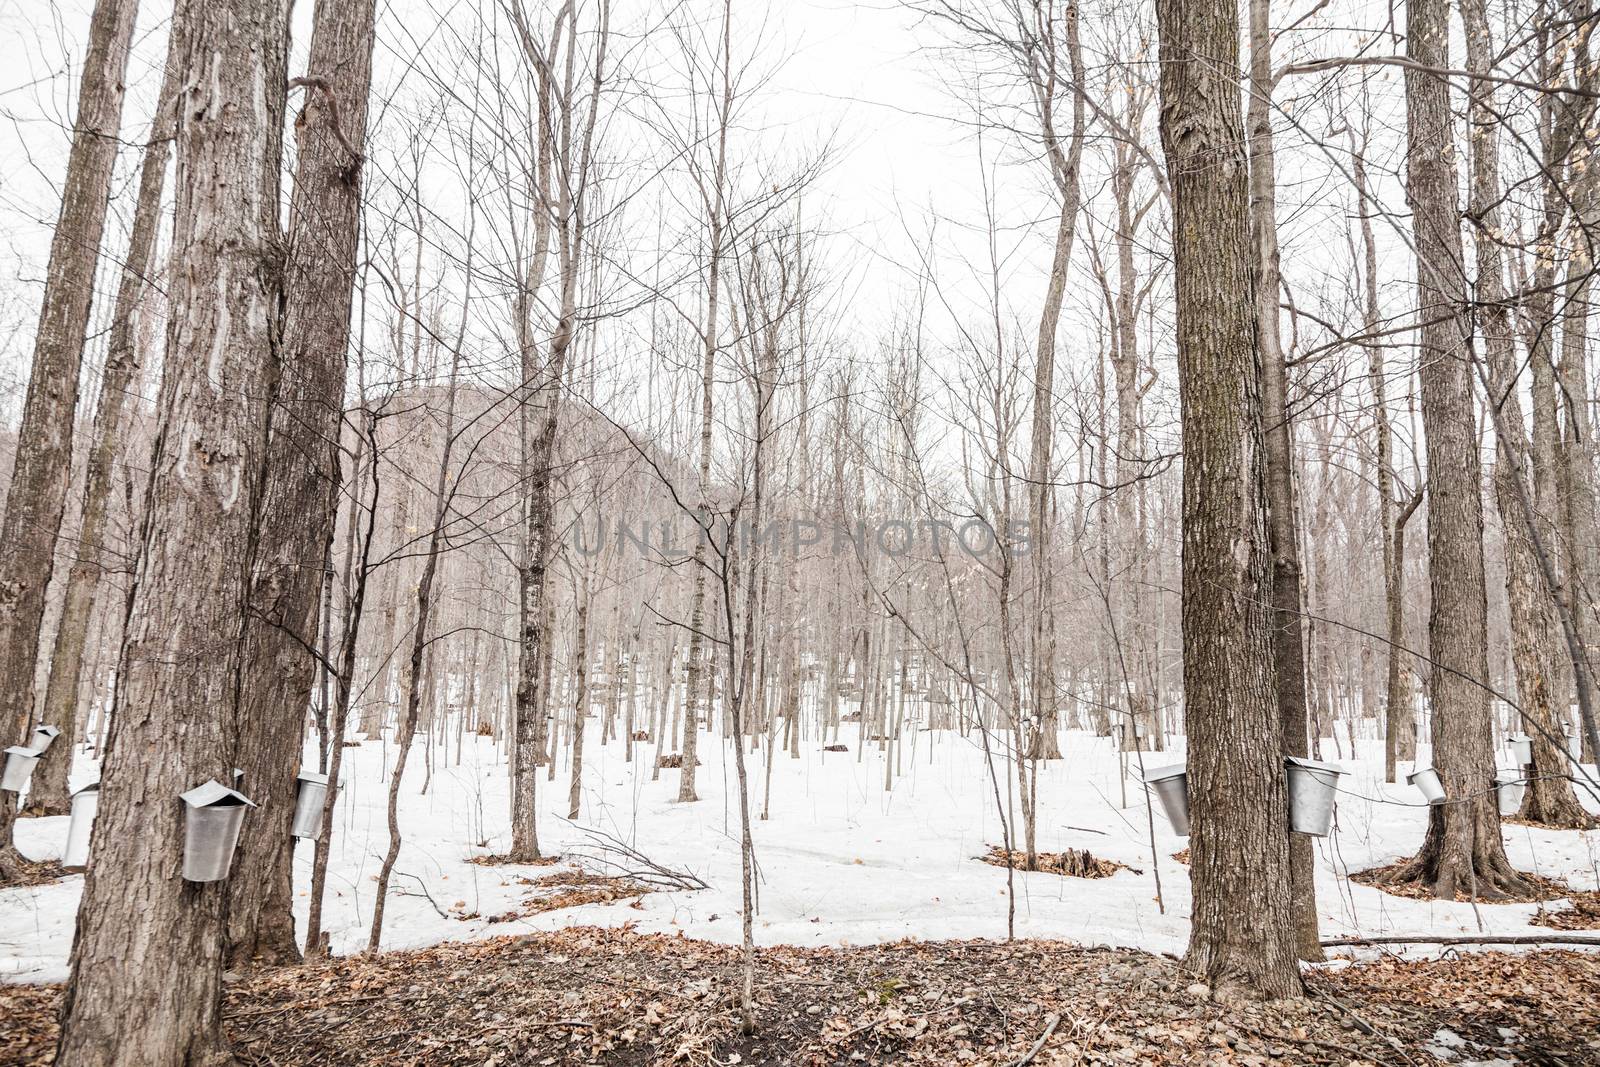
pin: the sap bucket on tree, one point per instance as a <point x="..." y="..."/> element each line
<point x="1426" y="779"/>
<point x="1312" y="786"/>
<point x="212" y="816"/>
<point x="313" y="789"/>
<point x="43" y="735"/>
<point x="1574" y="743"/>
<point x="1129" y="735"/>
<point x="1509" y="787"/>
<point x="19" y="766"/>
<point x="1171" y="786"/>
<point x="1521" y="749"/>
<point x="85" y="806"/>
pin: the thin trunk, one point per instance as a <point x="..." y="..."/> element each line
<point x="1278" y="459"/>
<point x="41" y="473"/>
<point x="117" y="381"/>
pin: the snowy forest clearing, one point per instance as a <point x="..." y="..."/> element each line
<point x="843" y="862"/>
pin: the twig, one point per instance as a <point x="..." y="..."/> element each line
<point x="1050" y="1024"/>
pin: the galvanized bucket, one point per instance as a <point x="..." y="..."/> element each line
<point x="20" y="763"/>
<point x="1426" y="779"/>
<point x="1312" y="786"/>
<point x="1574" y="745"/>
<point x="1171" y="786"/>
<point x="85" y="805"/>
<point x="308" y="805"/>
<point x="1509" y="787"/>
<point x="213" y="815"/>
<point x="42" y="736"/>
<point x="1521" y="749"/>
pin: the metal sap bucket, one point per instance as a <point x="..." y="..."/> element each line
<point x="1312" y="786"/>
<point x="42" y="736"/>
<point x="1426" y="779"/>
<point x="213" y="815"/>
<point x="1171" y="786"/>
<point x="20" y="763"/>
<point x="1128" y="734"/>
<point x="1574" y="744"/>
<point x="85" y="805"/>
<point x="1521" y="749"/>
<point x="313" y="790"/>
<point x="1509" y="787"/>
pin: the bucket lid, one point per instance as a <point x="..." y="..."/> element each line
<point x="1508" y="777"/>
<point x="1519" y="737"/>
<point x="1161" y="774"/>
<point x="92" y="787"/>
<point x="48" y="731"/>
<point x="23" y="750"/>
<point x="1419" y="772"/>
<point x="1314" y="765"/>
<point x="211" y="793"/>
<point x="312" y="777"/>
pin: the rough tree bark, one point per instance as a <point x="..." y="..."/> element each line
<point x="147" y="961"/>
<point x="119" y="376"/>
<point x="42" y="469"/>
<point x="1288" y="647"/>
<point x="1462" y="850"/>
<point x="300" y="499"/>
<point x="1239" y="847"/>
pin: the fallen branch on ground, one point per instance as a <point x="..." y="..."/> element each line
<point x="1479" y="939"/>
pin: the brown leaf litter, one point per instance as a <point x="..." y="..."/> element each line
<point x="1582" y="913"/>
<point x="35" y="873"/>
<point x="1073" y="863"/>
<point x="576" y="888"/>
<point x="589" y="996"/>
<point x="1545" y="889"/>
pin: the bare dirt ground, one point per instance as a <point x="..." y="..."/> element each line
<point x="593" y="996"/>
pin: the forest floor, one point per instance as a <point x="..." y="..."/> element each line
<point x="589" y="995"/>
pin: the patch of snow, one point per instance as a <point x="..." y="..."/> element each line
<point x="843" y="861"/>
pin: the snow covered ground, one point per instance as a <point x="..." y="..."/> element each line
<point x="843" y="861"/>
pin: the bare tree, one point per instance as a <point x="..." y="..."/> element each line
<point x="1239" y="852"/>
<point x="1463" y="850"/>
<point x="301" y="493"/>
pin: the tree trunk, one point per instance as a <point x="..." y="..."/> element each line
<point x="301" y="495"/>
<point x="1288" y="649"/>
<point x="117" y="380"/>
<point x="42" y="469"/>
<point x="1462" y="850"/>
<point x="580" y="700"/>
<point x="1237" y="787"/>
<point x="147" y="961"/>
<point x="1064" y="170"/>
